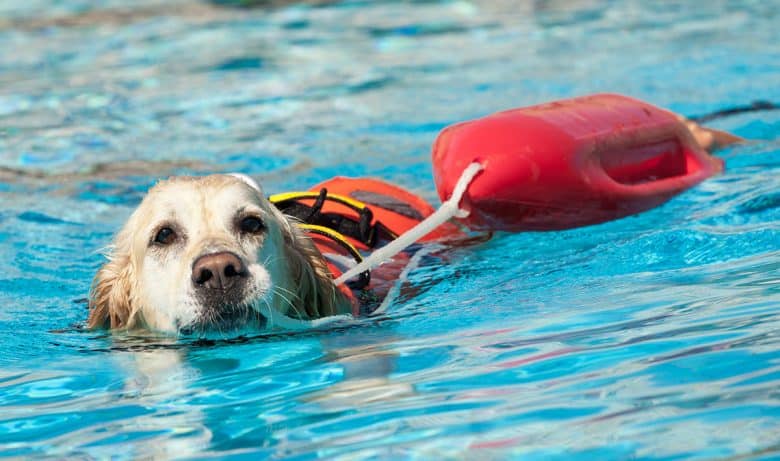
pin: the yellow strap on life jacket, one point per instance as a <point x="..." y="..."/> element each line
<point x="296" y="195"/>
<point x="340" y="239"/>
<point x="333" y="235"/>
<point x="359" y="228"/>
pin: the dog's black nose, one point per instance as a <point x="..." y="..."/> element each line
<point x="218" y="271"/>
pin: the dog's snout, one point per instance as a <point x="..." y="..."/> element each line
<point x="218" y="271"/>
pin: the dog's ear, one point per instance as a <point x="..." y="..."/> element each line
<point x="316" y="294"/>
<point x="110" y="299"/>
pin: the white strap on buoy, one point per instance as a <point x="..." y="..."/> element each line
<point x="448" y="210"/>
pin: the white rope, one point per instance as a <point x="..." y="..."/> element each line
<point x="275" y="318"/>
<point x="402" y="278"/>
<point x="448" y="210"/>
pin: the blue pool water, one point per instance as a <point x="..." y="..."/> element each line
<point x="653" y="337"/>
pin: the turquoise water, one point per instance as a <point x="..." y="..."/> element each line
<point x="653" y="337"/>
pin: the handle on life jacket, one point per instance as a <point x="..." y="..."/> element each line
<point x="360" y="227"/>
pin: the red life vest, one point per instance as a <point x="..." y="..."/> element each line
<point x="347" y="218"/>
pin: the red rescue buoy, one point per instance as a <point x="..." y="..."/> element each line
<point x="569" y="163"/>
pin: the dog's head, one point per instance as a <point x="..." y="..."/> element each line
<point x="210" y="253"/>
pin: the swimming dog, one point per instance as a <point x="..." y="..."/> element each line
<point x="210" y="253"/>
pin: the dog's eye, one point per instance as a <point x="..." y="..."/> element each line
<point x="165" y="236"/>
<point x="251" y="225"/>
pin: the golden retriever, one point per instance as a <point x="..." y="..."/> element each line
<point x="210" y="254"/>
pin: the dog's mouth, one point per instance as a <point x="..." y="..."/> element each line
<point x="224" y="319"/>
<point x="228" y="309"/>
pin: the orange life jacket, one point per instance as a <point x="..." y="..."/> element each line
<point x="347" y="218"/>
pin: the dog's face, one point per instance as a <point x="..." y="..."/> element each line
<point x="210" y="253"/>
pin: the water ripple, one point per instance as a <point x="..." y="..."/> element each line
<point x="652" y="337"/>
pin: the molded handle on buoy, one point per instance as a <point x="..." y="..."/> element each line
<point x="569" y="163"/>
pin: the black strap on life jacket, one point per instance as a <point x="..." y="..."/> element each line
<point x="336" y="226"/>
<point x="359" y="228"/>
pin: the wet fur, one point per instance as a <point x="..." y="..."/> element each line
<point x="302" y="285"/>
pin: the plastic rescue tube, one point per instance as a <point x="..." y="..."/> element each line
<point x="569" y="163"/>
